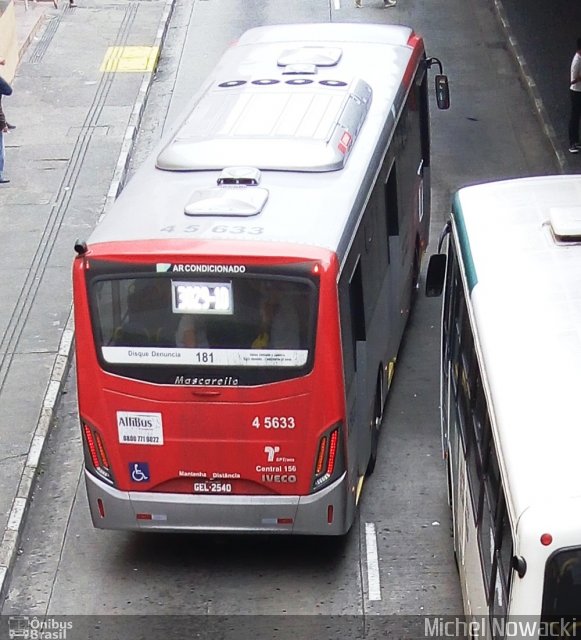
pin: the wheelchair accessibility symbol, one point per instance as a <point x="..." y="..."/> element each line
<point x="139" y="471"/>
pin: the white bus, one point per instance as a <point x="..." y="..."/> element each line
<point x="510" y="390"/>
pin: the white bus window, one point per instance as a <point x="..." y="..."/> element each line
<point x="504" y="555"/>
<point x="486" y="540"/>
<point x="506" y="545"/>
<point x="480" y="414"/>
<point x="563" y="584"/>
<point x="562" y="589"/>
<point x="499" y="602"/>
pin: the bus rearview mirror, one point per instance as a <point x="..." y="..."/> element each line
<point x="519" y="564"/>
<point x="442" y="92"/>
<point x="435" y="275"/>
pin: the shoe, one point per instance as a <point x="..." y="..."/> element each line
<point x="72" y="4"/>
<point x="574" y="148"/>
<point x="358" y="4"/>
<point x="389" y="3"/>
<point x="4" y="180"/>
<point x="11" y="126"/>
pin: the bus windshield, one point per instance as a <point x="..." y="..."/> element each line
<point x="165" y="329"/>
<point x="562" y="591"/>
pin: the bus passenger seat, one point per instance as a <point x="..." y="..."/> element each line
<point x="131" y="335"/>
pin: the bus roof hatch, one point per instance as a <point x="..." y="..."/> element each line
<point x="295" y="124"/>
<point x="237" y="194"/>
<point x="319" y="56"/>
<point x="566" y="224"/>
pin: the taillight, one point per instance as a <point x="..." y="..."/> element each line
<point x="327" y="452"/>
<point x="91" y="445"/>
<point x="332" y="452"/>
<point x="321" y="456"/>
<point x="97" y="453"/>
<point x="101" y="449"/>
<point x="546" y="539"/>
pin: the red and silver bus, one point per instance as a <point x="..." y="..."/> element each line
<point x="239" y="309"/>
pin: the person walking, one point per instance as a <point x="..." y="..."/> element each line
<point x="575" y="94"/>
<point x="10" y="126"/>
<point x="5" y="90"/>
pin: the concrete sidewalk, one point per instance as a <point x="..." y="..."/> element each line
<point x="79" y="92"/>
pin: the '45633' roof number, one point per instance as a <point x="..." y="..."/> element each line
<point x="229" y="228"/>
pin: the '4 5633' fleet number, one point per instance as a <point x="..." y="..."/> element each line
<point x="274" y="422"/>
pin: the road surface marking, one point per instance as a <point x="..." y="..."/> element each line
<point x="372" y="562"/>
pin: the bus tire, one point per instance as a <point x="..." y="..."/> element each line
<point x="416" y="268"/>
<point x="415" y="275"/>
<point x="375" y="428"/>
<point x="449" y="483"/>
<point x="414" y="281"/>
<point x="374" y="447"/>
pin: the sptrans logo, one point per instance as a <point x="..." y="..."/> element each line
<point x="35" y="628"/>
<point x="271" y="452"/>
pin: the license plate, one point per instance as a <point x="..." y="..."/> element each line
<point x="212" y="487"/>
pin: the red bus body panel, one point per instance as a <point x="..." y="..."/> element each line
<point x="233" y="439"/>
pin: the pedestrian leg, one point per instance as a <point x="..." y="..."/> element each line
<point x="574" y="120"/>
<point x="3" y="180"/>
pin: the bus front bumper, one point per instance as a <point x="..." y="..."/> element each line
<point x="326" y="512"/>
